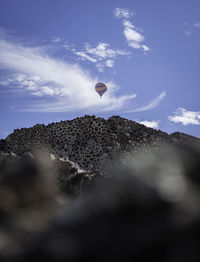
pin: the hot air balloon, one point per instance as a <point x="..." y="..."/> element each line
<point x="101" y="88"/>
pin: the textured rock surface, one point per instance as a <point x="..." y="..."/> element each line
<point x="87" y="141"/>
<point x="55" y="207"/>
<point x="87" y="146"/>
<point x="181" y="138"/>
<point x="65" y="175"/>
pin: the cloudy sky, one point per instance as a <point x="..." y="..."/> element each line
<point x="52" y="53"/>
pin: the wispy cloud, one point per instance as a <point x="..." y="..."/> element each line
<point x="68" y="46"/>
<point x="70" y="87"/>
<point x="109" y="63"/>
<point x="83" y="56"/>
<point x="122" y="13"/>
<point x="103" y="51"/>
<point x="154" y="103"/>
<point x="34" y="84"/>
<point x="185" y="117"/>
<point x="55" y="39"/>
<point x="152" y="124"/>
<point x="189" y="28"/>
<point x="101" y="54"/>
<point x="134" y="38"/>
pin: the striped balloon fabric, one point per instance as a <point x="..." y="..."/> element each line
<point x="101" y="88"/>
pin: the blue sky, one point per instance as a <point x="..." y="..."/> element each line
<point x="53" y="52"/>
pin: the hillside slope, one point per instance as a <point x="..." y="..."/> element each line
<point x="88" y="141"/>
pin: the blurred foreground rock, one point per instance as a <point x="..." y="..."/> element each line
<point x="146" y="209"/>
<point x="132" y="193"/>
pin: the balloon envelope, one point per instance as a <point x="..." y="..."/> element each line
<point x="101" y="88"/>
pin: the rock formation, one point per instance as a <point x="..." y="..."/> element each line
<point x="89" y="144"/>
<point x="92" y="189"/>
<point x="87" y="141"/>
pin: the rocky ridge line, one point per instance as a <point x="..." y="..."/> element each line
<point x="89" y="141"/>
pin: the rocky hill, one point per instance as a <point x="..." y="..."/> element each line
<point x="89" y="141"/>
<point x="54" y="206"/>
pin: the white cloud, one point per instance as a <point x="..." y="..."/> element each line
<point x="122" y="13"/>
<point x="103" y="51"/>
<point x="146" y="48"/>
<point x="70" y="87"/>
<point x="34" y="84"/>
<point x="100" y="50"/>
<point x="109" y="63"/>
<point x="185" y="117"/>
<point x="84" y="56"/>
<point x="122" y="52"/>
<point x="152" y="124"/>
<point x="68" y="46"/>
<point x="133" y="37"/>
<point x="154" y="103"/>
<point x="128" y="24"/>
<point x="197" y="25"/>
<point x="55" y="39"/>
<point x="101" y="54"/>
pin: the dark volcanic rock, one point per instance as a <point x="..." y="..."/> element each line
<point x="87" y="141"/>
<point x="146" y="211"/>
<point x="145" y="208"/>
<point x="66" y="176"/>
<point x="185" y="139"/>
<point x="88" y="146"/>
<point x="3" y="145"/>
